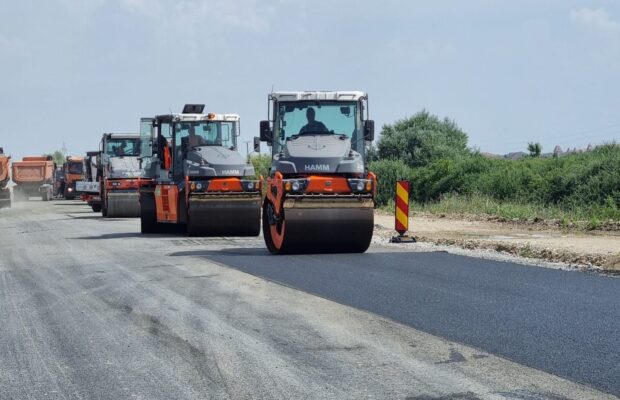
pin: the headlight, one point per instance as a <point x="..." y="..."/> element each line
<point x="250" y="185"/>
<point x="199" y="186"/>
<point x="360" y="185"/>
<point x="295" y="185"/>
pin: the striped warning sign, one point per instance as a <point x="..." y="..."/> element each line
<point x="402" y="207"/>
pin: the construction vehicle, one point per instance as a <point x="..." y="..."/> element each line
<point x="120" y="170"/>
<point x="33" y="176"/>
<point x="320" y="196"/>
<point x="73" y="171"/>
<point x="5" y="192"/>
<point x="90" y="186"/>
<point x="194" y="176"/>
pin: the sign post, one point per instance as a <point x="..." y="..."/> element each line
<point x="401" y="213"/>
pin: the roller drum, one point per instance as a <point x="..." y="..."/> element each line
<point x="213" y="215"/>
<point x="321" y="227"/>
<point x="123" y="205"/>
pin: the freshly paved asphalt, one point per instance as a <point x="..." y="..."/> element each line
<point x="92" y="309"/>
<point x="566" y="323"/>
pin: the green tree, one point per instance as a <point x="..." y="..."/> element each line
<point x="57" y="156"/>
<point x="371" y="153"/>
<point x="422" y="139"/>
<point x="535" y="149"/>
<point x="261" y="163"/>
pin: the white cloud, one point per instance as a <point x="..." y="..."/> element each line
<point x="596" y="19"/>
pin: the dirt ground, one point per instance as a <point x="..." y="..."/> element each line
<point x="580" y="249"/>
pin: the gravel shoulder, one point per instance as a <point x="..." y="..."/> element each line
<point x="542" y="245"/>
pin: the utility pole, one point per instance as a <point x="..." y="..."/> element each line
<point x="247" y="149"/>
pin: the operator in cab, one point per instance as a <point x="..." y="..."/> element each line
<point x="312" y="125"/>
<point x="193" y="139"/>
<point x="120" y="149"/>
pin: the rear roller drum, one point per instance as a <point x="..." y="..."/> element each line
<point x="122" y="206"/>
<point x="232" y="216"/>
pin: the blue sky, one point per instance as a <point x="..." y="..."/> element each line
<point x="506" y="72"/>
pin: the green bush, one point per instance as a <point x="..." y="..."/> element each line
<point x="261" y="163"/>
<point x="422" y="139"/>
<point x="388" y="172"/>
<point x="584" y="184"/>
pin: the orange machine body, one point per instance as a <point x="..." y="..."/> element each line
<point x="167" y="202"/>
<point x="122" y="184"/>
<point x="326" y="185"/>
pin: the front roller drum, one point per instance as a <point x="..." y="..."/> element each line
<point x="123" y="205"/>
<point x="318" y="227"/>
<point x="212" y="215"/>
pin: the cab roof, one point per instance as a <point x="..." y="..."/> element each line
<point x="122" y="135"/>
<point x="341" y="95"/>
<point x="198" y="117"/>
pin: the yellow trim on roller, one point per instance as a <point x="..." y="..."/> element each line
<point x="402" y="193"/>
<point x="402" y="218"/>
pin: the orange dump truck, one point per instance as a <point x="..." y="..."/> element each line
<point x="33" y="176"/>
<point x="5" y="192"/>
<point x="73" y="172"/>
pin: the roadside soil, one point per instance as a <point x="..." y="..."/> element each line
<point x="598" y="250"/>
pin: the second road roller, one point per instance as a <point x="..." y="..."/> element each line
<point x="120" y="172"/>
<point x="194" y="176"/>
<point x="320" y="196"/>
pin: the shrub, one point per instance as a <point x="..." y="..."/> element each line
<point x="261" y="163"/>
<point x="388" y="172"/>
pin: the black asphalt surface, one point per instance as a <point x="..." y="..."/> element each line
<point x="563" y="322"/>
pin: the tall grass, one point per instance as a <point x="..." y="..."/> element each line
<point x="483" y="205"/>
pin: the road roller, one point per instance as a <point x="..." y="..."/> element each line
<point x="193" y="175"/>
<point x="320" y="196"/>
<point x="120" y="170"/>
<point x="90" y="187"/>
